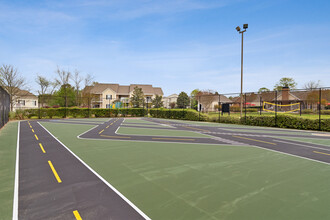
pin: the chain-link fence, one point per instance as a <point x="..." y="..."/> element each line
<point x="4" y="107"/>
<point x="313" y="104"/>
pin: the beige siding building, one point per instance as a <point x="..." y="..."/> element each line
<point x="24" y="100"/>
<point x="105" y="95"/>
<point x="169" y="99"/>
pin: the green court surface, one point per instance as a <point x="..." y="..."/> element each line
<point x="190" y="181"/>
<point x="8" y="143"/>
<point x="159" y="132"/>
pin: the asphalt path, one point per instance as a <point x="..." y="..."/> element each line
<point x="54" y="184"/>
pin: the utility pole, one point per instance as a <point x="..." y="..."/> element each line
<point x="245" y="26"/>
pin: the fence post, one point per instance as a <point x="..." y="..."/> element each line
<point x="300" y="108"/>
<point x="245" y="108"/>
<point x="39" y="112"/>
<point x="109" y="107"/>
<point x="320" y="93"/>
<point x="199" y="109"/>
<point x="276" y="108"/>
<point x="66" y="106"/>
<point x="89" y="113"/>
<point x="219" y="103"/>
<point x="148" y="107"/>
<point x="261" y="105"/>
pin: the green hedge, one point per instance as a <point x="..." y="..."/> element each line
<point x="78" y="112"/>
<point x="185" y="114"/>
<point x="283" y="121"/>
<point x="238" y="109"/>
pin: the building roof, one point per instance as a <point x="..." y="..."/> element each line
<point x="293" y="96"/>
<point x="24" y="93"/>
<point x="214" y="98"/>
<point x="123" y="90"/>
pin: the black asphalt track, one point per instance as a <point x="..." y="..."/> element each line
<point x="220" y="135"/>
<point x="41" y="196"/>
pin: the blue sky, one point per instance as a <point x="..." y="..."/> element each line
<point x="178" y="45"/>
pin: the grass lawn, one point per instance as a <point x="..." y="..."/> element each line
<point x="8" y="143"/>
<point x="183" y="181"/>
<point x="158" y="132"/>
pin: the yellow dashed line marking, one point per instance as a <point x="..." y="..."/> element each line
<point x="195" y="128"/>
<point x="114" y="136"/>
<point x="32" y="130"/>
<point x="76" y="214"/>
<point x="54" y="172"/>
<point x="101" y="131"/>
<point x="254" y="140"/>
<point x="30" y="126"/>
<point x="42" y="148"/>
<point x="175" y="139"/>
<point x="321" y="153"/>
<point x="107" y="126"/>
<point x="36" y="137"/>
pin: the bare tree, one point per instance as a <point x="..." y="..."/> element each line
<point x="77" y="79"/>
<point x="54" y="86"/>
<point x="11" y="80"/>
<point x="43" y="83"/>
<point x="89" y="80"/>
<point x="312" y="85"/>
<point x="63" y="79"/>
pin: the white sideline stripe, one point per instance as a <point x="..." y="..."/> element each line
<point x="88" y="130"/>
<point x="306" y="158"/>
<point x="15" y="200"/>
<point x="320" y="148"/>
<point x="100" y="177"/>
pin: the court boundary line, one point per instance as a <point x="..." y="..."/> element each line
<point x="302" y="145"/>
<point x="16" y="184"/>
<point x="229" y="145"/>
<point x="159" y="135"/>
<point x="100" y="177"/>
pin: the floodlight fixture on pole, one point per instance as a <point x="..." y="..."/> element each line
<point x="238" y="29"/>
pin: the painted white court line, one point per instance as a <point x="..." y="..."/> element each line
<point x="15" y="200"/>
<point x="100" y="177"/>
<point x="323" y="135"/>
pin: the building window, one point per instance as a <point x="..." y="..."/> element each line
<point x="108" y="96"/>
<point x="35" y="103"/>
<point x="108" y="106"/>
<point x="21" y="102"/>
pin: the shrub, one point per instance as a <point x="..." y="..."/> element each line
<point x="307" y="111"/>
<point x="325" y="112"/>
<point x="238" y="109"/>
<point x="185" y="114"/>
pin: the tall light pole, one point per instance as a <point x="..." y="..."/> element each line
<point x="245" y="26"/>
